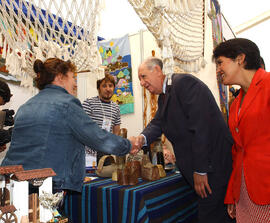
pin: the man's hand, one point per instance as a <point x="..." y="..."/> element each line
<point x="201" y="184"/>
<point x="134" y="149"/>
<point x="137" y="143"/>
<point x="231" y="210"/>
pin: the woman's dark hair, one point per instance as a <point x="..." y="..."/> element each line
<point x="234" y="47"/>
<point x="234" y="92"/>
<point x="262" y="63"/>
<point x="107" y="78"/>
<point x="5" y="91"/>
<point x="47" y="71"/>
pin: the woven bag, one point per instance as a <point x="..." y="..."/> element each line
<point x="106" y="171"/>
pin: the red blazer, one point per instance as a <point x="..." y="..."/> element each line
<point x="251" y="133"/>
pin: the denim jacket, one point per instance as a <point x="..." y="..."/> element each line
<point x="51" y="130"/>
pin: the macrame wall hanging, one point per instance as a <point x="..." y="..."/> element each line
<point x="178" y="27"/>
<point x="152" y="100"/>
<point x="40" y="29"/>
<point x="149" y="98"/>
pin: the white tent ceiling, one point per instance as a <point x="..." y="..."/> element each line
<point x="236" y="12"/>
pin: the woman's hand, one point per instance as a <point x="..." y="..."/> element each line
<point x="231" y="210"/>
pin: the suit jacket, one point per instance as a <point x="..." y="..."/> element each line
<point x="251" y="150"/>
<point x="190" y="118"/>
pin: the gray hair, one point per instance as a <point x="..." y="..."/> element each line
<point x="153" y="61"/>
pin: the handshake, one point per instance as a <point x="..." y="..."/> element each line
<point x="137" y="143"/>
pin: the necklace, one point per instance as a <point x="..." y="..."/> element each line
<point x="103" y="112"/>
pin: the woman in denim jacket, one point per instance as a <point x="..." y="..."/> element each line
<point x="51" y="129"/>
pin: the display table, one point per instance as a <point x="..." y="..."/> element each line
<point x="169" y="199"/>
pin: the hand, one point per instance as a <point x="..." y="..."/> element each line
<point x="231" y="210"/>
<point x="139" y="141"/>
<point x="200" y="183"/>
<point x="134" y="149"/>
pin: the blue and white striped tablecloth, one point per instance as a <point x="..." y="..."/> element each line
<point x="169" y="199"/>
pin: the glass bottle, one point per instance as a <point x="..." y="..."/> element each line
<point x="147" y="151"/>
<point x="158" y="148"/>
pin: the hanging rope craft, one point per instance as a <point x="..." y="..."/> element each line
<point x="152" y="101"/>
<point x="178" y="27"/>
<point x="153" y="105"/>
<point x="145" y="106"/>
<point x="40" y="29"/>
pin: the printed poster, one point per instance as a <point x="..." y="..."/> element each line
<point x="116" y="57"/>
<point x="218" y="38"/>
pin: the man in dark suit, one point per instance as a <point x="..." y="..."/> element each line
<point x="191" y="120"/>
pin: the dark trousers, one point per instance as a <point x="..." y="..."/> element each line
<point x="212" y="209"/>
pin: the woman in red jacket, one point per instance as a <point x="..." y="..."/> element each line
<point x="248" y="194"/>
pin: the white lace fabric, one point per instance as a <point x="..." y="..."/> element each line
<point x="178" y="27"/>
<point x="40" y="29"/>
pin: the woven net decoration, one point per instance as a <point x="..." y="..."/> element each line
<point x="178" y="27"/>
<point x="40" y="29"/>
